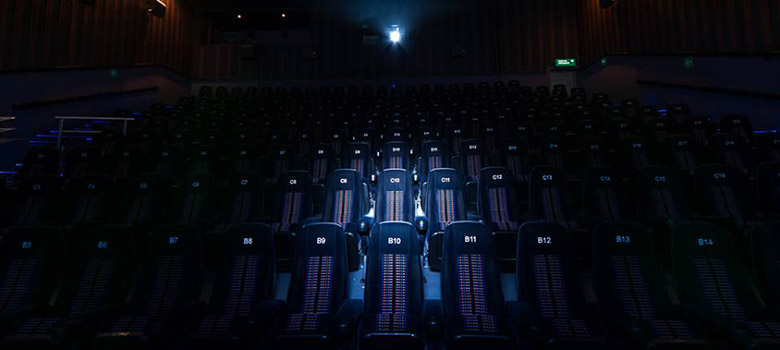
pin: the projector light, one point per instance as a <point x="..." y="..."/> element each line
<point x="395" y="35"/>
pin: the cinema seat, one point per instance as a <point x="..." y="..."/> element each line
<point x="37" y="201"/>
<point x="395" y="155"/>
<point x="444" y="203"/>
<point x="716" y="289"/>
<point x="603" y="195"/>
<point x="30" y="256"/>
<point x="722" y="194"/>
<point x="393" y="311"/>
<point x="547" y="197"/>
<point x="88" y="200"/>
<point x="358" y="156"/>
<point x="289" y="206"/>
<point x="548" y="283"/>
<point x="472" y="296"/>
<point x="498" y="207"/>
<point x="433" y="155"/>
<point x="241" y="201"/>
<point x="318" y="313"/>
<point x="245" y="278"/>
<point x="166" y="292"/>
<point x="347" y="203"/>
<point x="630" y="288"/>
<point x="394" y="196"/>
<point x="96" y="284"/>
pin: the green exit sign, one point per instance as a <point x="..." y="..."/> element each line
<point x="688" y="62"/>
<point x="113" y="73"/>
<point x="565" y="62"/>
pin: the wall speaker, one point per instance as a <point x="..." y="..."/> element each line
<point x="88" y="2"/>
<point x="155" y="7"/>
<point x="606" y="3"/>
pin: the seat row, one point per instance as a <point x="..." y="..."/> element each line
<point x="631" y="306"/>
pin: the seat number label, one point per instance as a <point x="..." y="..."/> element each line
<point x="544" y="240"/>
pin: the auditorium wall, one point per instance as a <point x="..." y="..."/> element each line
<point x="45" y="34"/>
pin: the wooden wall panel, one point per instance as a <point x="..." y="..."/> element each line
<point x="43" y="34"/>
<point x="678" y="26"/>
<point x="500" y="36"/>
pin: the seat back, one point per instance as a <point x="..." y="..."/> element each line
<point x="144" y="200"/>
<point x="684" y="153"/>
<point x="395" y="155"/>
<point x="90" y="199"/>
<point x="433" y="155"/>
<point x="515" y="155"/>
<point x="345" y="198"/>
<point x="169" y="162"/>
<point x="472" y="159"/>
<point x="444" y="199"/>
<point x="171" y="272"/>
<point x="38" y="200"/>
<point x="83" y="161"/>
<point x="470" y="279"/>
<point x="282" y="159"/>
<point x="40" y="161"/>
<point x="244" y="201"/>
<point x="553" y="152"/>
<point x="637" y="153"/>
<point x="722" y="193"/>
<point x="98" y="271"/>
<point x="292" y="200"/>
<point x="731" y="149"/>
<point x="395" y="198"/>
<point x="357" y="156"/>
<point x="394" y="281"/>
<point x="28" y="261"/>
<point x="593" y="153"/>
<point x="603" y="195"/>
<point x="318" y="281"/>
<point x="498" y="203"/>
<point x="709" y="273"/>
<point x="247" y="272"/>
<point x="628" y="280"/>
<point x="546" y="277"/>
<point x="322" y="161"/>
<point x="547" y="201"/>
<point x="659" y="194"/>
<point x="739" y="125"/>
<point x="196" y="200"/>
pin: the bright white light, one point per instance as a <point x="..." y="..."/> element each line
<point x="395" y="35"/>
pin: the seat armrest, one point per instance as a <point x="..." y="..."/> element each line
<point x="522" y="315"/>
<point x="421" y="223"/>
<point x="433" y="318"/>
<point x="266" y="312"/>
<point x="364" y="224"/>
<point x="347" y="319"/>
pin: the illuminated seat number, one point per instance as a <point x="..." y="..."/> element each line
<point x="321" y="240"/>
<point x="544" y="240"/>
<point x="394" y="240"/>
<point x="470" y="239"/>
